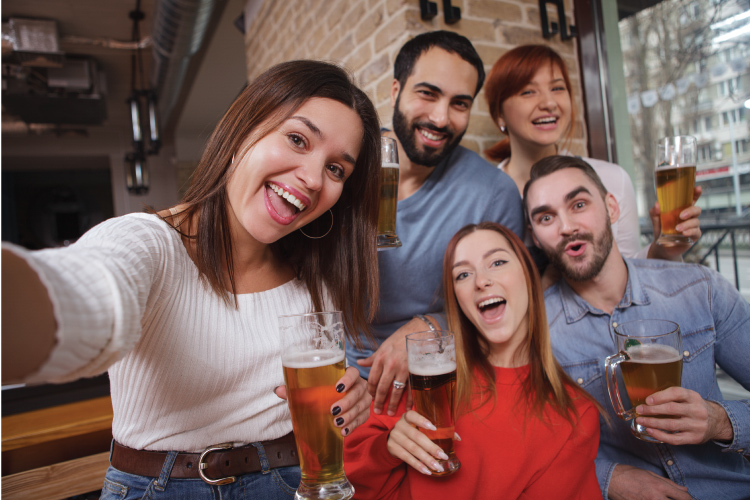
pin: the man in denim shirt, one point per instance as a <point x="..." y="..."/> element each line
<point x="570" y="214"/>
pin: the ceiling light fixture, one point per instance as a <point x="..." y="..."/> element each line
<point x="140" y="96"/>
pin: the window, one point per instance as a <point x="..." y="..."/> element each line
<point x="707" y="124"/>
<point x="705" y="153"/>
<point x="729" y="87"/>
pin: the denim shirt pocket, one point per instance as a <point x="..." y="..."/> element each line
<point x="698" y="361"/>
<point x="587" y="374"/>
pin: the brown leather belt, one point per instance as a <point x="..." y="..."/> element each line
<point x="216" y="465"/>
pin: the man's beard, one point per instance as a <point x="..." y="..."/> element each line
<point x="406" y="133"/>
<point x="601" y="248"/>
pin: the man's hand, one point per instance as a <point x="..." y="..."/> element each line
<point x="693" y="419"/>
<point x="690" y="227"/>
<point x="631" y="483"/>
<point x="353" y="409"/>
<point x="389" y="363"/>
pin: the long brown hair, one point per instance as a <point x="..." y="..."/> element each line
<point x="546" y="382"/>
<point x="345" y="260"/>
<point x="509" y="75"/>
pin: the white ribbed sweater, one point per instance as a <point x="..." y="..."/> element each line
<point x="186" y="370"/>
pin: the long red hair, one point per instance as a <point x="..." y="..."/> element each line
<point x="546" y="382"/>
<point x="509" y="75"/>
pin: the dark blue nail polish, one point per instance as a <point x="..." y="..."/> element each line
<point x="340" y="388"/>
<point x="336" y="410"/>
<point x="340" y="421"/>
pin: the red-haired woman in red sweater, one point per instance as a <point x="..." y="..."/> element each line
<point x="526" y="430"/>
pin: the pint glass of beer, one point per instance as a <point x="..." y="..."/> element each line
<point x="313" y="359"/>
<point x="388" y="195"/>
<point x="675" y="183"/>
<point x="432" y="376"/>
<point x="650" y="359"/>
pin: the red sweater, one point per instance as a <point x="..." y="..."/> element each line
<point x="499" y="459"/>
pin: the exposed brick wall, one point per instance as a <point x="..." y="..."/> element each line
<point x="365" y="36"/>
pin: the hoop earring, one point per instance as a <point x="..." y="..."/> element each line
<point x="322" y="236"/>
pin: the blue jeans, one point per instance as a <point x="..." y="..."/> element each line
<point x="269" y="484"/>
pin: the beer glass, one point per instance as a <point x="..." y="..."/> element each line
<point x="388" y="195"/>
<point x="313" y="359"/>
<point x="675" y="183"/>
<point x="432" y="376"/>
<point x="650" y="359"/>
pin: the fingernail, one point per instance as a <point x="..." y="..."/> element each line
<point x="340" y="388"/>
<point x="340" y="421"/>
<point x="456" y="436"/>
<point x="336" y="410"/>
<point x="428" y="426"/>
<point x="442" y="456"/>
<point x="346" y="431"/>
<point x="377" y="411"/>
<point x="425" y="470"/>
<point x="391" y="413"/>
<point x="437" y="467"/>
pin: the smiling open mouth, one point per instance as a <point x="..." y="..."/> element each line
<point x="285" y="203"/>
<point x="550" y="120"/>
<point x="489" y="304"/>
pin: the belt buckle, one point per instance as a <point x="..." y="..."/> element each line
<point x="202" y="465"/>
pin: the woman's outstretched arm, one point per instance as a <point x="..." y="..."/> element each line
<point x="28" y="320"/>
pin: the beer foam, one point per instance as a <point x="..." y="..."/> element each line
<point x="312" y="359"/>
<point x="432" y="369"/>
<point x="653" y="354"/>
<point x="390" y="165"/>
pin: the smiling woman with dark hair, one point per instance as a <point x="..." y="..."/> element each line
<point x="181" y="306"/>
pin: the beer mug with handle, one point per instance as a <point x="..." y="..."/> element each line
<point x="432" y="375"/>
<point x="387" y="237"/>
<point x="675" y="184"/>
<point x="313" y="359"/>
<point x="650" y="359"/>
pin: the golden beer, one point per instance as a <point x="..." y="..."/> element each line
<point x="651" y="368"/>
<point x="674" y="189"/>
<point x="388" y="197"/>
<point x="311" y="389"/>
<point x="434" y="395"/>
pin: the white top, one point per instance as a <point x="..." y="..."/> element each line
<point x="626" y="230"/>
<point x="186" y="369"/>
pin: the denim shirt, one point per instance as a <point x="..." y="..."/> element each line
<point x="715" y="323"/>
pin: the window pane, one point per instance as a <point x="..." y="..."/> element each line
<point x="686" y="65"/>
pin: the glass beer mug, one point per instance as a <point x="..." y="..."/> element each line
<point x="388" y="195"/>
<point x="675" y="184"/>
<point x="313" y="359"/>
<point x="650" y="359"/>
<point x="432" y="377"/>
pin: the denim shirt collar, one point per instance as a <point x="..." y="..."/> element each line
<point x="576" y="308"/>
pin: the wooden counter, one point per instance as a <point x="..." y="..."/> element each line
<point x="56" y="452"/>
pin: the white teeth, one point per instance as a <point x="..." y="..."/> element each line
<point x="493" y="300"/>
<point x="288" y="196"/>
<point x="546" y="120"/>
<point x="430" y="135"/>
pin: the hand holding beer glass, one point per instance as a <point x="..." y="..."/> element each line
<point x="432" y="376"/>
<point x="314" y="360"/>
<point x="650" y="359"/>
<point x="675" y="184"/>
<point x="388" y="195"/>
